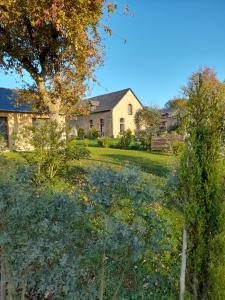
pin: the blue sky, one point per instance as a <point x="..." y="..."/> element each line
<point x="166" y="41"/>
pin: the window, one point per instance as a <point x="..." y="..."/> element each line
<point x="122" y="125"/>
<point x="130" y="109"/>
<point x="39" y="121"/>
<point x="4" y="129"/>
<point x="102" y="127"/>
<point x="91" y="124"/>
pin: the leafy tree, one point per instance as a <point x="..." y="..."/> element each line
<point x="57" y="42"/>
<point x="201" y="186"/>
<point x="178" y="108"/>
<point x="147" y="122"/>
<point x="177" y="104"/>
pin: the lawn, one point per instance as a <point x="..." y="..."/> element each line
<point x="158" y="164"/>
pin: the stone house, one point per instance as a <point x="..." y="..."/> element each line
<point x="110" y="114"/>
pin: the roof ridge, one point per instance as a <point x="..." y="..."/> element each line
<point x="106" y="94"/>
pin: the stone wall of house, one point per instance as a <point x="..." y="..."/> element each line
<point x="120" y="111"/>
<point x="84" y="122"/>
<point x="16" y="123"/>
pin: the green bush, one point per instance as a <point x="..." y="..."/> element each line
<point x="104" y="142"/>
<point x="129" y="244"/>
<point x="2" y="143"/>
<point x="52" y="151"/>
<point x="125" y="140"/>
<point x="80" y="133"/>
<point x="177" y="147"/>
<point x="75" y="151"/>
<point x="92" y="134"/>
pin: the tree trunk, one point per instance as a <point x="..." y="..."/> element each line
<point x="53" y="105"/>
<point x="183" y="264"/>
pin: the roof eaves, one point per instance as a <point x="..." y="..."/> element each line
<point x="98" y="112"/>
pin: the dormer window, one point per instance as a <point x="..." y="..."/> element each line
<point x="93" y="105"/>
<point x="130" y="109"/>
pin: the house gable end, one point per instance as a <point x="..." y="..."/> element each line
<point x="128" y="90"/>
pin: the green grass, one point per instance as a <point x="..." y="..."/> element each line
<point x="158" y="164"/>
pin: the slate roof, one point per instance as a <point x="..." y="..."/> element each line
<point x="100" y="103"/>
<point x="106" y="102"/>
<point x="8" y="102"/>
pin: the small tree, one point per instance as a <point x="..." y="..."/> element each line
<point x="147" y="122"/>
<point x="201" y="185"/>
<point x="52" y="152"/>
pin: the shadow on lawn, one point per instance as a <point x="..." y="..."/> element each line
<point x="146" y="165"/>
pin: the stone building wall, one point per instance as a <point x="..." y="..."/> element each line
<point x="84" y="122"/>
<point x="16" y="123"/>
<point x="120" y="111"/>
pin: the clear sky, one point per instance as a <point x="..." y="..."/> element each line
<point x="166" y="41"/>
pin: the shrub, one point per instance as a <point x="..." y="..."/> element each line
<point x="52" y="151"/>
<point x="2" y="143"/>
<point x="129" y="246"/>
<point x="92" y="134"/>
<point x="39" y="260"/>
<point x="104" y="142"/>
<point x="177" y="147"/>
<point x="75" y="151"/>
<point x="125" y="140"/>
<point x="80" y="133"/>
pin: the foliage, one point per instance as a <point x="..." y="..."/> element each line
<point x="52" y="151"/>
<point x="93" y="134"/>
<point x="110" y="240"/>
<point x="201" y="185"/>
<point x="58" y="43"/>
<point x="125" y="140"/>
<point x="104" y="142"/>
<point x="38" y="239"/>
<point x="147" y="122"/>
<point x="177" y="147"/>
<point x="178" y="108"/>
<point x="2" y="143"/>
<point x="132" y="236"/>
<point x="80" y="133"/>
<point x="178" y="105"/>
